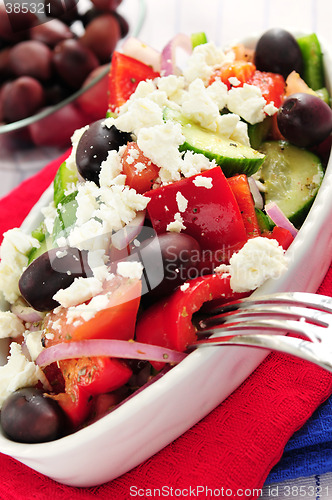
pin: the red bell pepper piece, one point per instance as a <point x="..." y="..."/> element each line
<point x="168" y="322"/>
<point x="282" y="235"/>
<point x="212" y="215"/>
<point x="86" y="378"/>
<point x="240" y="187"/>
<point x="125" y="74"/>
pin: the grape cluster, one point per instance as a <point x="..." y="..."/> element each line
<point x="42" y="63"/>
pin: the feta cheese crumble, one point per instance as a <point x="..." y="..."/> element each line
<point x="201" y="181"/>
<point x="10" y="325"/>
<point x="181" y="201"/>
<point x="19" y="372"/>
<point x="177" y="225"/>
<point x="81" y="290"/>
<point x="130" y="269"/>
<point x="13" y="252"/>
<point x="247" y="102"/>
<point x="258" y="260"/>
<point x="34" y="344"/>
<point x="161" y="145"/>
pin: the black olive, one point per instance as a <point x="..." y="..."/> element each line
<point x="50" y="272"/>
<point x="93" y="148"/>
<point x="28" y="416"/>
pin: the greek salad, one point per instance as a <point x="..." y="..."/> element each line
<point x="185" y="196"/>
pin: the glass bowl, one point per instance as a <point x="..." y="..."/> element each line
<point x="29" y="144"/>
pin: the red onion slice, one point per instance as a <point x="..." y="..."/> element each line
<point x="279" y="218"/>
<point x="168" y="55"/>
<point x="124" y="236"/>
<point x="256" y="194"/>
<point x="27" y="313"/>
<point x="133" y="47"/>
<point x="113" y="348"/>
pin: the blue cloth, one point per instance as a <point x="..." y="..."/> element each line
<point x="309" y="451"/>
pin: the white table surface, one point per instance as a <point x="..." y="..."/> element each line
<point x="222" y="21"/>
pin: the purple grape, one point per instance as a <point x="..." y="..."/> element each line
<point x="51" y="33"/>
<point x="73" y="62"/>
<point x="21" y="98"/>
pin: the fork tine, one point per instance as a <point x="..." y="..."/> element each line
<point x="258" y="311"/>
<point x="301" y="299"/>
<point x="311" y="331"/>
<point x="316" y="353"/>
<point x="288" y="312"/>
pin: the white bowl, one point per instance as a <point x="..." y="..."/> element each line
<point x="172" y="404"/>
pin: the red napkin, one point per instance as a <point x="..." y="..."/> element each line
<point x="228" y="454"/>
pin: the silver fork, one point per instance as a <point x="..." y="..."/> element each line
<point x="265" y="321"/>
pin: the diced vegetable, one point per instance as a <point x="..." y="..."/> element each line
<point x="233" y="157"/>
<point x="140" y="171"/>
<point x="272" y="86"/>
<point x="212" y="215"/>
<point x="86" y="378"/>
<point x="241" y="190"/>
<point x="241" y="71"/>
<point x="312" y="59"/>
<point x="168" y="322"/>
<point x="62" y="180"/>
<point x="291" y="177"/>
<point x="198" y="38"/>
<point x="125" y="74"/>
<point x="116" y="320"/>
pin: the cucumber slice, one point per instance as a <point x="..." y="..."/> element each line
<point x="41" y="234"/>
<point x="259" y="131"/>
<point x="198" y="38"/>
<point x="313" y="69"/>
<point x="63" y="178"/>
<point x="66" y="216"/>
<point x="233" y="157"/>
<point x="36" y="252"/>
<point x="292" y="177"/>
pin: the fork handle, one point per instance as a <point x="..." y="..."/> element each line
<point x="303" y="349"/>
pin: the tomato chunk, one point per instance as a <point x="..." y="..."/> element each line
<point x="125" y="74"/>
<point x="272" y="86"/>
<point x="115" y="321"/>
<point x="241" y="70"/>
<point x="141" y="173"/>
